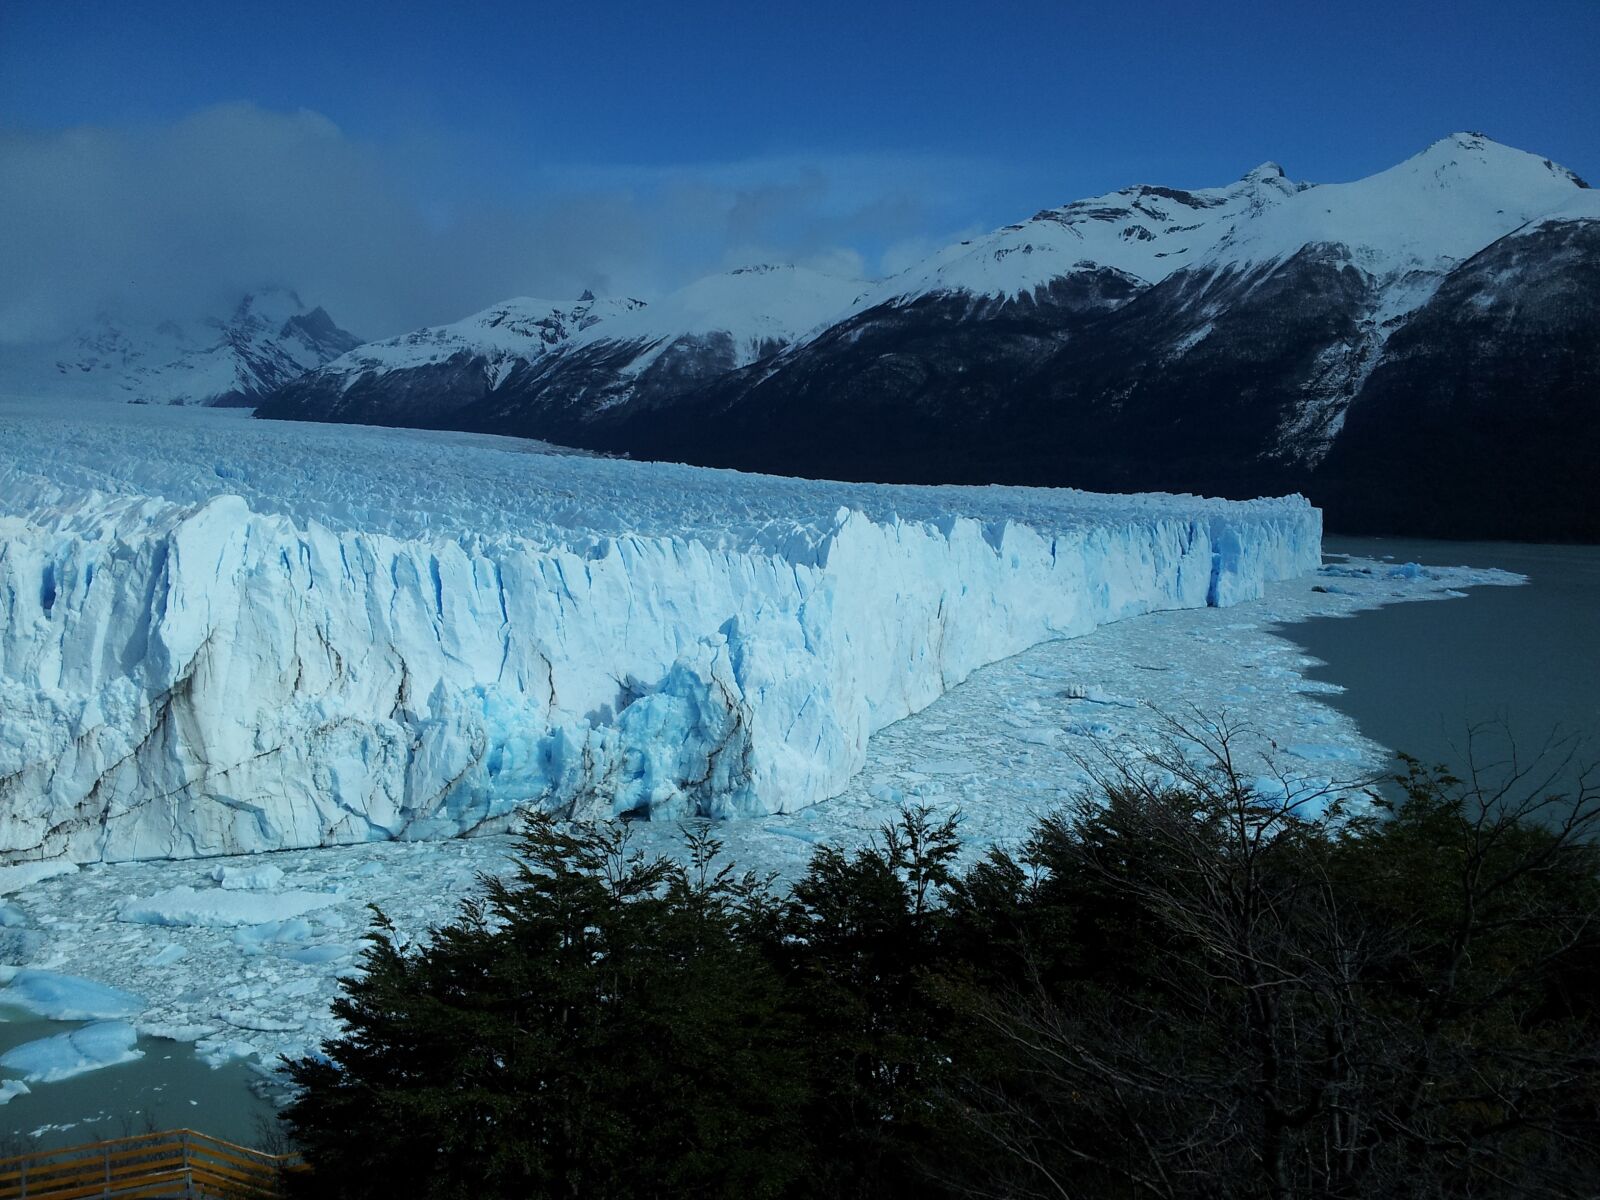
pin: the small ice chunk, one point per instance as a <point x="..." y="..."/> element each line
<point x="295" y="929"/>
<point x="16" y="876"/>
<point x="1325" y="751"/>
<point x="215" y="1051"/>
<point x="1089" y="729"/>
<point x="1040" y="736"/>
<point x="325" y="953"/>
<point x="12" y="917"/>
<point x="948" y="766"/>
<point x="68" y="998"/>
<point x="175" y="1033"/>
<point x="51" y="1059"/>
<point x="263" y="877"/>
<point x="258" y="1022"/>
<point x="10" y="1088"/>
<point x="20" y="945"/>
<point x="216" y="908"/>
<point x="167" y="955"/>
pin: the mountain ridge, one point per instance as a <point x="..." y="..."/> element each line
<point x="1150" y="338"/>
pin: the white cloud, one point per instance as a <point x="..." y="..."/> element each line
<point x="180" y="219"/>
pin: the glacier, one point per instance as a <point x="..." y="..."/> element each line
<point x="225" y="636"/>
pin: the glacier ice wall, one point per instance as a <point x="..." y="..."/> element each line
<point x="227" y="637"/>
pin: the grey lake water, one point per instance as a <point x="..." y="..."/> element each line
<point x="169" y="1088"/>
<point x="1416" y="676"/>
<point x="1521" y="661"/>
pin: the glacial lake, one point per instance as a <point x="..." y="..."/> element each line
<point x="1418" y="675"/>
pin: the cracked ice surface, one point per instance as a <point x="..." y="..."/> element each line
<point x="225" y="636"/>
<point x="1003" y="747"/>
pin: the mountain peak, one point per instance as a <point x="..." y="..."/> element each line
<point x="272" y="305"/>
<point x="1267" y="170"/>
<point x="1470" y="152"/>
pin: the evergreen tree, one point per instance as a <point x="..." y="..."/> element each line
<point x="593" y="1027"/>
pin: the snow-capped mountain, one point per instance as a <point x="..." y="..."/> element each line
<point x="560" y="365"/>
<point x="1234" y="373"/>
<point x="1216" y="340"/>
<point x="268" y="339"/>
<point x="1431" y="212"/>
<point x="648" y="357"/>
<point x="424" y="378"/>
<point x="1143" y="232"/>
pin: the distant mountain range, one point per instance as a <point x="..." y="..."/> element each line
<point x="235" y="359"/>
<point x="569" y="366"/>
<point x="1418" y="351"/>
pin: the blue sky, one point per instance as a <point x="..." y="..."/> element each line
<point x="653" y="141"/>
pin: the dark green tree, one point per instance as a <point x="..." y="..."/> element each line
<point x="858" y="946"/>
<point x="1259" y="996"/>
<point x="593" y="1027"/>
<point x="1194" y="983"/>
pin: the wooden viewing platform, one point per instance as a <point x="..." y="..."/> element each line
<point x="180" y="1164"/>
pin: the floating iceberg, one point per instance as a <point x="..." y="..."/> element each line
<point x="215" y="907"/>
<point x="63" y="1055"/>
<point x="224" y="636"/>
<point x="66" y="997"/>
<point x="260" y="878"/>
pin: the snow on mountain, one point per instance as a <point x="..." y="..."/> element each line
<point x="1580" y="206"/>
<point x="758" y="308"/>
<point x="226" y="635"/>
<point x="1405" y="228"/>
<point x="1145" y="231"/>
<point x="269" y="338"/>
<point x="531" y="360"/>
<point x="502" y="336"/>
<point x="1429" y="213"/>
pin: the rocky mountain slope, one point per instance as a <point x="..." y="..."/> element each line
<point x="268" y="339"/>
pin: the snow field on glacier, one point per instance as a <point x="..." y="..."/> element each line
<point x="226" y="636"/>
<point x="1004" y="747"/>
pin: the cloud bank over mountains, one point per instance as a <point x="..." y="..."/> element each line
<point x="180" y="219"/>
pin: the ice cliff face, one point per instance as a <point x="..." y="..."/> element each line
<point x="232" y="636"/>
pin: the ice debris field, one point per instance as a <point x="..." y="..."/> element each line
<point x="184" y="591"/>
<point x="224" y="636"/>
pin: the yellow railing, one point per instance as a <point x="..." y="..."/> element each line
<point x="178" y="1164"/>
